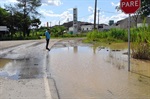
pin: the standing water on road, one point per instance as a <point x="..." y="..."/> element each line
<point x="78" y="71"/>
<point x="85" y="72"/>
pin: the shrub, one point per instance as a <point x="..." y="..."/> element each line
<point x="141" y="45"/>
<point x="141" y="51"/>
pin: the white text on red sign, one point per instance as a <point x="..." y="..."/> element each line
<point x="130" y="4"/>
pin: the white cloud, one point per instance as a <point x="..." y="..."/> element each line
<point x="91" y="18"/>
<point x="45" y="2"/>
<point x="46" y="13"/>
<point x="8" y="1"/>
<point x="113" y="4"/>
<point x="62" y="17"/>
<point x="90" y="9"/>
<point x="105" y="19"/>
<point x="117" y="17"/>
<point x="52" y="2"/>
<point x="71" y="9"/>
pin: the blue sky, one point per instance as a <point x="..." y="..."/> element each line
<point x="53" y="11"/>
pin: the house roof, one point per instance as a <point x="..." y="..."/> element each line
<point x="124" y="23"/>
<point x="70" y="24"/>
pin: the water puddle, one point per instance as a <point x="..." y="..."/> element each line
<point x="85" y="72"/>
<point x="3" y="62"/>
<point x="21" y="69"/>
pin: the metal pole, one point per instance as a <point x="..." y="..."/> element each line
<point x="59" y="23"/>
<point x="98" y="16"/>
<point x="95" y="14"/>
<point x="50" y="24"/>
<point x="129" y="24"/>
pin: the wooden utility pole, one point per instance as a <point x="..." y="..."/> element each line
<point x="95" y="14"/>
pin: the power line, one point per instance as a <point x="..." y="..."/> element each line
<point x="108" y="11"/>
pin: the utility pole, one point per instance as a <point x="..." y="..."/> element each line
<point x="67" y="19"/>
<point x="59" y="23"/>
<point x="50" y="24"/>
<point x="98" y="16"/>
<point x="95" y="14"/>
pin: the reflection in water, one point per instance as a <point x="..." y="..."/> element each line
<point x="75" y="49"/>
<point x="47" y="65"/>
<point x="3" y="62"/>
<point x="84" y="75"/>
<point x="23" y="69"/>
<point x="10" y="70"/>
<point x="94" y="50"/>
<point x="118" y="59"/>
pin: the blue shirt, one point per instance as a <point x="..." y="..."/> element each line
<point x="47" y="35"/>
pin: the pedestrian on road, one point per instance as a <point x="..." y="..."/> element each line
<point x="47" y="35"/>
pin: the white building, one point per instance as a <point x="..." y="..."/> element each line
<point x="3" y="31"/>
<point x="86" y="28"/>
<point x="71" y="29"/>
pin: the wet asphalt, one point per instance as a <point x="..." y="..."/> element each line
<point x="23" y="70"/>
<point x="73" y="70"/>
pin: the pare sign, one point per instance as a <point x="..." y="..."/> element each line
<point x="130" y="6"/>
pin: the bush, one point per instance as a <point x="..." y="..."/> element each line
<point x="112" y="35"/>
<point x="68" y="35"/>
<point x="141" y="51"/>
<point x="141" y="45"/>
<point x="119" y="34"/>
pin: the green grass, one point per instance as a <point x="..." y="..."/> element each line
<point x="114" y="35"/>
<point x="140" y="38"/>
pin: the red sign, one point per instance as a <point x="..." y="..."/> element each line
<point x="130" y="6"/>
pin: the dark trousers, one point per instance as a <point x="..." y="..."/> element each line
<point x="47" y="42"/>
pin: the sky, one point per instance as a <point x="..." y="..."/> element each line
<point x="55" y="11"/>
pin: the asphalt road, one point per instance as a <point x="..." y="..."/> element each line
<point x="24" y="75"/>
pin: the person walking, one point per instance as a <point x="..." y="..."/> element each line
<point x="47" y="35"/>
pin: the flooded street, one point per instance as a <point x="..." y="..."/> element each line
<point x="84" y="72"/>
<point x="76" y="70"/>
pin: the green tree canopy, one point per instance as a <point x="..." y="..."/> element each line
<point x="58" y="31"/>
<point x="28" y="8"/>
<point x="3" y="16"/>
<point x="145" y="8"/>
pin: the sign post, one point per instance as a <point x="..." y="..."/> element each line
<point x="129" y="25"/>
<point x="129" y="7"/>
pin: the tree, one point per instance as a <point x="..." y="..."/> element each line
<point x="58" y="31"/>
<point x="14" y="19"/>
<point x="3" y="16"/>
<point x="145" y="8"/>
<point x="28" y="8"/>
<point x="35" y="22"/>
